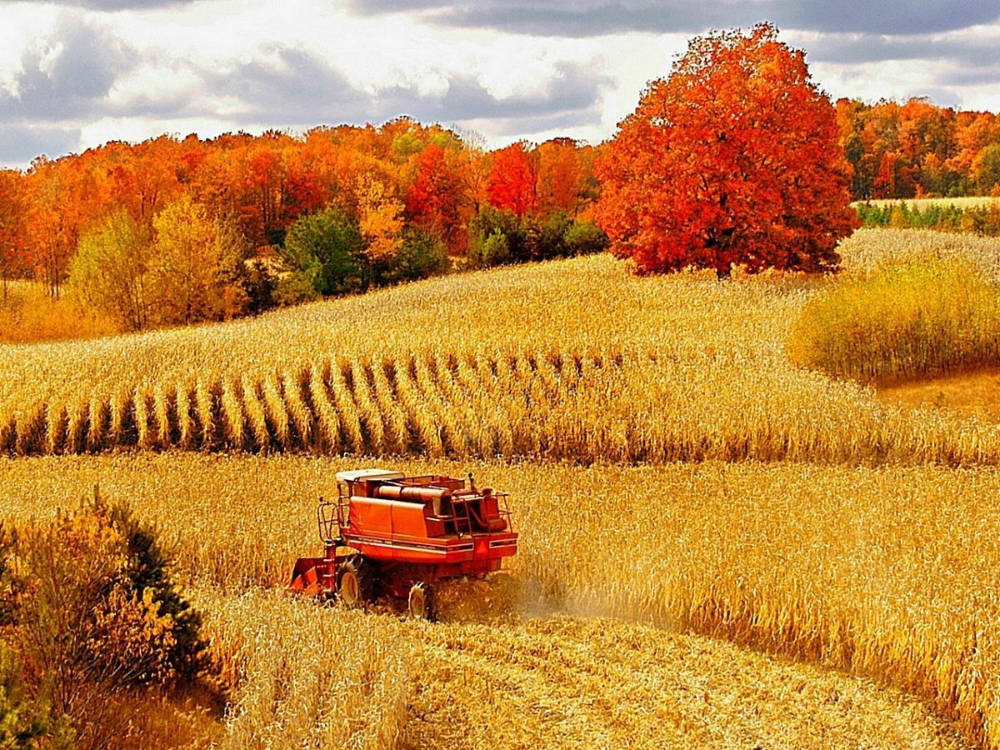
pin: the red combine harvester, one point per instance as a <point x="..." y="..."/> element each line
<point x="390" y="533"/>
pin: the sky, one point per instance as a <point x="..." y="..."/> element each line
<point x="78" y="73"/>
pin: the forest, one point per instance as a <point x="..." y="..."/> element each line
<point x="175" y="230"/>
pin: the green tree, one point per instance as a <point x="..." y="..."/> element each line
<point x="421" y="254"/>
<point x="325" y="249"/>
<point x="197" y="266"/>
<point x="110" y="270"/>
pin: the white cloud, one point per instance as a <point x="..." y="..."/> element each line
<point x="216" y="65"/>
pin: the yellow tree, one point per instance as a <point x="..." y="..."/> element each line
<point x="196" y="266"/>
<point x="380" y="217"/>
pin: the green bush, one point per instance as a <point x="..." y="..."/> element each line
<point x="421" y="254"/>
<point x="903" y="320"/>
<point x="584" y="238"/>
<point x="498" y="237"/>
<point x="96" y="615"/>
<point x="325" y="249"/>
<point x="27" y="720"/>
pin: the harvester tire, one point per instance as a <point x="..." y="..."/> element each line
<point x="421" y="602"/>
<point x="355" y="583"/>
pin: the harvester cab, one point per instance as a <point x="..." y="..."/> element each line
<point x="390" y="534"/>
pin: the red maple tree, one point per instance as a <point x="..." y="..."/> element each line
<point x="732" y="160"/>
<point x="433" y="201"/>
<point x="512" y="181"/>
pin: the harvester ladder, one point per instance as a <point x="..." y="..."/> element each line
<point x="464" y="517"/>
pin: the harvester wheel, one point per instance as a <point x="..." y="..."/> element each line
<point x="355" y="583"/>
<point x="421" y="602"/>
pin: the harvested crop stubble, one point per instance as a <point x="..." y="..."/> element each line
<point x="876" y="570"/>
<point x="572" y="360"/>
<point x="326" y="677"/>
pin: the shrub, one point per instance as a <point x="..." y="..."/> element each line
<point x="547" y="238"/>
<point x="498" y="237"/>
<point x="902" y="320"/>
<point x="100" y="616"/>
<point x="325" y="248"/>
<point x="584" y="238"/>
<point x="27" y="720"/>
<point x="493" y="251"/>
<point x="421" y="254"/>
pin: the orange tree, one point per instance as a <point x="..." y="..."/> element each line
<point x="732" y="160"/>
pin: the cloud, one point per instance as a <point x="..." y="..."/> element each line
<point x="867" y="48"/>
<point x="19" y="144"/>
<point x="302" y="88"/>
<point x="115" y="5"/>
<point x="583" y="18"/>
<point x="68" y="78"/>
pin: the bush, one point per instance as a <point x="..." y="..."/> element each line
<point x="903" y="320"/>
<point x="421" y="254"/>
<point x="259" y="285"/>
<point x="27" y="720"/>
<point x="584" y="238"/>
<point x="295" y="289"/>
<point x="326" y="249"/>
<point x="498" y="237"/>
<point x="99" y="616"/>
<point x="493" y="251"/>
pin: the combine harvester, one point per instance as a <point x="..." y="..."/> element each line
<point x="388" y="533"/>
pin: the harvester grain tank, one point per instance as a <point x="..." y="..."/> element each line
<point x="387" y="533"/>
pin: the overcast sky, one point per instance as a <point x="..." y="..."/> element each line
<point x="76" y="74"/>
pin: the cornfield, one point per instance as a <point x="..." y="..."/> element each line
<point x="876" y="571"/>
<point x="571" y="360"/>
<point x="853" y="540"/>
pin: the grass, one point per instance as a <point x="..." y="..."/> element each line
<point x="911" y="319"/>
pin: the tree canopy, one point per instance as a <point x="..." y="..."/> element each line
<point x="732" y="160"/>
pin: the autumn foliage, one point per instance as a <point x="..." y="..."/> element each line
<point x="732" y="160"/>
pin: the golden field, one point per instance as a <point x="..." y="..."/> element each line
<point x="677" y="482"/>
<point x="569" y="360"/>
<point x="874" y="571"/>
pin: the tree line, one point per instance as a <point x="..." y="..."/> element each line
<point x="175" y="230"/>
<point x="915" y="149"/>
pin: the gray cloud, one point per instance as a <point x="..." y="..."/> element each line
<point x="19" y="143"/>
<point x="115" y="5"/>
<point x="75" y="83"/>
<point x="865" y="48"/>
<point x="581" y="18"/>
<point x="306" y="89"/>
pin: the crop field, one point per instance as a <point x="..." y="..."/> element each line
<point x="875" y="571"/>
<point x="663" y="369"/>
<point x="922" y="203"/>
<point x="718" y="548"/>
